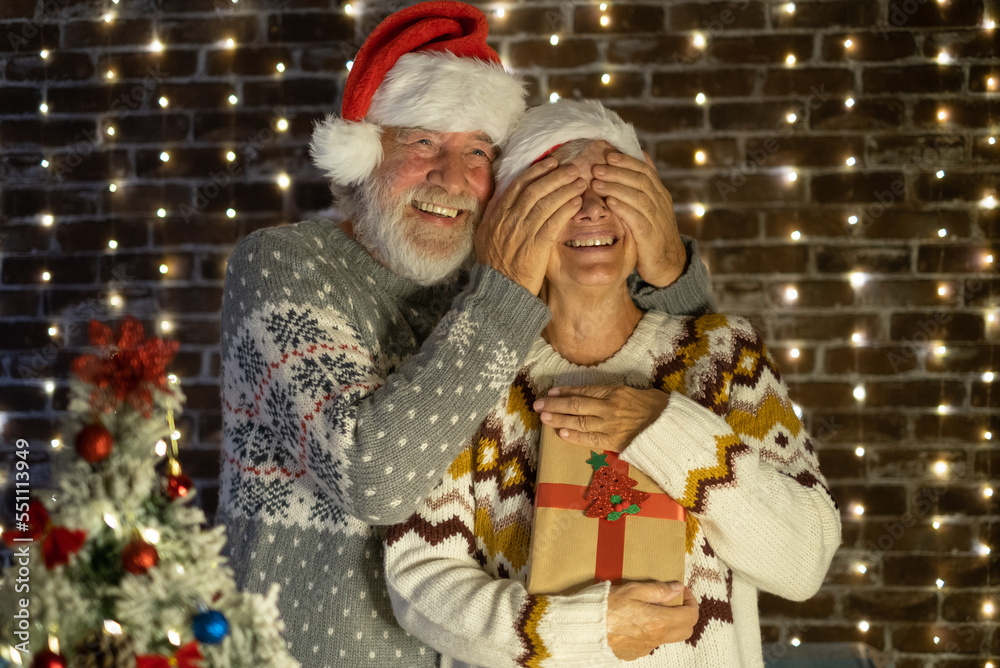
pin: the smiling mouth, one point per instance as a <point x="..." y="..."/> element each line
<point x="434" y="209"/>
<point x="595" y="241"/>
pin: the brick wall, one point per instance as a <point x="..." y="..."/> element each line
<point x="857" y="234"/>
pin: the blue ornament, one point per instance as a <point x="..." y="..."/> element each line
<point x="210" y="627"/>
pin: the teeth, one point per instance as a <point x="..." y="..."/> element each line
<point x="603" y="241"/>
<point x="435" y="209"/>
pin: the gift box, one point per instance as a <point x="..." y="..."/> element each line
<point x="597" y="518"/>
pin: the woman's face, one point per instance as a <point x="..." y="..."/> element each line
<point x="594" y="248"/>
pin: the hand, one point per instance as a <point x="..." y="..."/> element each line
<point x="520" y="228"/>
<point x="639" y="621"/>
<point x="600" y="417"/>
<point x="634" y="193"/>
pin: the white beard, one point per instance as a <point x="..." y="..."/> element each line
<point x="392" y="234"/>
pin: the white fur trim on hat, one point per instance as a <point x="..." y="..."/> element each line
<point x="346" y="152"/>
<point x="437" y="91"/>
<point x="442" y="92"/>
<point x="550" y="125"/>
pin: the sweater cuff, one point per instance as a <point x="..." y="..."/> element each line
<point x="683" y="438"/>
<point x="574" y="628"/>
<point x="506" y="305"/>
<point x="690" y="294"/>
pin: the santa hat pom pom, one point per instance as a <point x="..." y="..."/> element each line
<point x="346" y="151"/>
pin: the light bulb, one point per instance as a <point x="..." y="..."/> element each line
<point x="936" y="524"/>
<point x="859" y="510"/>
<point x="165" y="157"/>
<point x="796" y="235"/>
<point x="230" y="43"/>
<point x="942" y="232"/>
<point x="284" y="181"/>
<point x="161" y="213"/>
<point x="164" y="102"/>
<point x="792" y="176"/>
<point x="863" y="626"/>
<point x="233" y="99"/>
<point x="112" y="627"/>
<point x="280" y="67"/>
<point x="47" y="220"/>
<point x="699" y="157"/>
<point x="940" y="350"/>
<point x="110" y="74"/>
<point x="859" y="451"/>
<point x="156" y="46"/>
<point x="795" y="642"/>
<point x="942" y="291"/>
<point x="858" y="279"/>
<point x="939" y="582"/>
<point x="941" y="468"/>
<point x="553" y="97"/>
<point x="44" y="53"/>
<point x="988" y="377"/>
<point x="43" y="107"/>
<point x="850" y="161"/>
<point x="55" y="443"/>
<point x="164" y="268"/>
<point x="791" y="118"/>
<point x="700" y="98"/>
<point x="852" y="220"/>
<point x="988" y="435"/>
<point x="848" y="43"/>
<point x="944" y="58"/>
<point x="53" y="330"/>
<point x="112" y="244"/>
<point x="605" y="21"/>
<point x="699" y="210"/>
<point x="790" y="59"/>
<point x="161" y="447"/>
<point x="861" y="568"/>
<point x="349" y="9"/>
<point x="791" y="294"/>
<point x="230" y="156"/>
<point x="605" y="78"/>
<point x="554" y="40"/>
<point x="849" y="102"/>
<point x="794" y="353"/>
<point x="349" y="64"/>
<point x="942" y="115"/>
<point x="282" y="124"/>
<point x="859" y="392"/>
<point x="499" y="13"/>
<point x="987" y="492"/>
<point x="166" y="325"/>
<point x="988" y="202"/>
<point x="109" y="17"/>
<point x="46" y="276"/>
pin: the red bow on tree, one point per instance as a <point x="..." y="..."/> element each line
<point x="186" y="657"/>
<point x="59" y="543"/>
<point x="126" y="370"/>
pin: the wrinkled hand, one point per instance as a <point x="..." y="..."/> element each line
<point x="600" y="417"/>
<point x="639" y="621"/>
<point x="520" y="228"/>
<point x="634" y="193"/>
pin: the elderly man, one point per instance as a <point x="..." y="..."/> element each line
<point x="358" y="359"/>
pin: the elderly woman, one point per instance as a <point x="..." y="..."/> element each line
<point x="695" y="403"/>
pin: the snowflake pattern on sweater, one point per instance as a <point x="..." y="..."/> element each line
<point x="729" y="448"/>
<point x="346" y="393"/>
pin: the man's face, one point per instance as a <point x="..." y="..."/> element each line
<point x="419" y="210"/>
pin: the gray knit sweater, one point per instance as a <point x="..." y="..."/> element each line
<point x="346" y="393"/>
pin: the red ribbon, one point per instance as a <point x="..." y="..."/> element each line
<point x="610" y="535"/>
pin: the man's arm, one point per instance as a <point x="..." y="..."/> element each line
<point x="689" y="294"/>
<point x="299" y="377"/>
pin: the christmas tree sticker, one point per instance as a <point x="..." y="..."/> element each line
<point x="123" y="572"/>
<point x="611" y="492"/>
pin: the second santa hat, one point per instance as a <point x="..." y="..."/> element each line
<point x="426" y="66"/>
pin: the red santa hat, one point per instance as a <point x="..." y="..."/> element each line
<point x="426" y="66"/>
<point x="543" y="129"/>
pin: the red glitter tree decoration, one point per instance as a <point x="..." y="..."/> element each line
<point x="611" y="491"/>
<point x="127" y="369"/>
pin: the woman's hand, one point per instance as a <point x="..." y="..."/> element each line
<point x="520" y="228"/>
<point x="601" y="417"/>
<point x="639" y="620"/>
<point x="634" y="192"/>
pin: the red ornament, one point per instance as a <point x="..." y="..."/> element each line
<point x="93" y="443"/>
<point x="125" y="371"/>
<point x="139" y="556"/>
<point x="178" y="486"/>
<point x="48" y="659"/>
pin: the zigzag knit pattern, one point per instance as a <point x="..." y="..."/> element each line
<point x="729" y="433"/>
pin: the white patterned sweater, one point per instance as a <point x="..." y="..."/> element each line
<point x="346" y="393"/>
<point x="728" y="447"/>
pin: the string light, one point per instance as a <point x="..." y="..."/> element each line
<point x="112" y="244"/>
<point x="942" y="115"/>
<point x="944" y="58"/>
<point x="796" y="235"/>
<point x="859" y="451"/>
<point x="988" y="435"/>
<point x="942" y="291"/>
<point x="852" y="220"/>
<point x="46" y="276"/>
<point x="848" y="43"/>
<point x="231" y="213"/>
<point x="161" y="213"/>
<point x="939" y="173"/>
<point x="164" y="268"/>
<point x="349" y="64"/>
<point x="791" y="294"/>
<point x="939" y="582"/>
<point x="43" y="107"/>
<point x="936" y="524"/>
<point x="164" y="102"/>
<point x="604" y="6"/>
<point x="112" y="627"/>
<point x="943" y="232"/>
<point x="794" y="353"/>
<point x="940" y="350"/>
<point x="791" y="118"/>
<point x="988" y="202"/>
<point x="554" y="40"/>
<point x="349" y="9"/>
<point x="45" y="163"/>
<point x="47" y="220"/>
<point x="553" y="97"/>
<point x="983" y="549"/>
<point x="698" y="40"/>
<point x="699" y="210"/>
<point x="863" y="626"/>
<point x="284" y="181"/>
<point x="790" y="8"/>
<point x="991" y="140"/>
<point x="280" y="67"/>
<point x="110" y="74"/>
<point x="156" y="46"/>
<point x="861" y="568"/>
<point x="700" y="98"/>
<point x="795" y="642"/>
<point x="115" y="300"/>
<point x="699" y="157"/>
<point x="166" y="326"/>
<point x="850" y="161"/>
<point x="282" y="124"/>
<point x="230" y="156"/>
<point x="792" y="175"/>
<point x="164" y="157"/>
<point x="109" y="17"/>
<point x="856" y="337"/>
<point x="605" y="78"/>
<point x="988" y="377"/>
<point x="988" y="492"/>
<point x="233" y="99"/>
<point x="499" y="12"/>
<point x="988" y="259"/>
<point x="174" y="637"/>
<point x="605" y="21"/>
<point x="859" y="392"/>
<point x="160" y="448"/>
<point x="849" y="102"/>
<point x="941" y="467"/>
<point x="988" y="608"/>
<point x="110" y="130"/>
<point x="937" y="639"/>
<point x="44" y="53"/>
<point x="790" y="59"/>
<point x="230" y="43"/>
<point x="858" y="509"/>
<point x="857" y="280"/>
<point x="53" y="330"/>
<point x="50" y="387"/>
<point x="55" y="443"/>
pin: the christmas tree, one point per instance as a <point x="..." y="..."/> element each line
<point x="611" y="491"/>
<point x="114" y="566"/>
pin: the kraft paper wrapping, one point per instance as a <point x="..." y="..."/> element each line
<point x="565" y="542"/>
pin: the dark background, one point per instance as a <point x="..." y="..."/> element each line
<point x="921" y="241"/>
